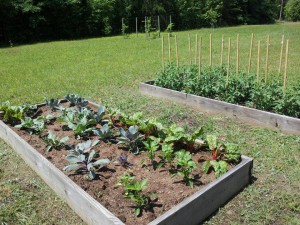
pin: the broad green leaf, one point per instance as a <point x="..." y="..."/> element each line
<point x="71" y="167"/>
<point x="101" y="162"/>
<point x="206" y="165"/>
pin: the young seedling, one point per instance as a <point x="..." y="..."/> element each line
<point x="81" y="103"/>
<point x="152" y="145"/>
<point x="186" y="166"/>
<point x="85" y="163"/>
<point x="134" y="190"/>
<point x="82" y="127"/>
<point x="100" y="114"/>
<point x="54" y="141"/>
<point x="11" y="114"/>
<point x="131" y="139"/>
<point x="84" y="147"/>
<point x="123" y="160"/>
<point x="167" y="155"/>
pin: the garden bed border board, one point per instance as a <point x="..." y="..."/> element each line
<point x="286" y="124"/>
<point x="191" y="210"/>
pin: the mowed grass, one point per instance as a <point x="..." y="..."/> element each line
<point x="109" y="70"/>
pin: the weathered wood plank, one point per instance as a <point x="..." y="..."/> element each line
<point x="91" y="211"/>
<point x="203" y="203"/>
<point x="253" y="116"/>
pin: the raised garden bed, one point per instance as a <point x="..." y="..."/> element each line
<point x="93" y="199"/>
<point x="253" y="116"/>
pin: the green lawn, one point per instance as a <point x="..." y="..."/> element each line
<point x="109" y="70"/>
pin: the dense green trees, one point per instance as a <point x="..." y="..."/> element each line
<point x="34" y="20"/>
<point x="292" y="10"/>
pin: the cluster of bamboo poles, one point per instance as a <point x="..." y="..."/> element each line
<point x="198" y="55"/>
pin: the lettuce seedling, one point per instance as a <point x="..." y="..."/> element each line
<point x="85" y="162"/>
<point x="54" y="141"/>
<point x="131" y="138"/>
<point x="12" y="114"/>
<point x="186" y="166"/>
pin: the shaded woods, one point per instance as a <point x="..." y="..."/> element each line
<point x="40" y="20"/>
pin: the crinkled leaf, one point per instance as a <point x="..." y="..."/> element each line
<point x="212" y="141"/>
<point x="206" y="165"/>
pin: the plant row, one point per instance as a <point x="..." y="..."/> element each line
<point x="171" y="148"/>
<point x="239" y="89"/>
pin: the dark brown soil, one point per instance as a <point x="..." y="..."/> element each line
<point x="170" y="189"/>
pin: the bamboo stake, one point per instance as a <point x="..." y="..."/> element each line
<point x="222" y="50"/>
<point x="210" y="50"/>
<point x="250" y="54"/>
<point x="200" y="55"/>
<point x="158" y="24"/>
<point x="228" y="63"/>
<point x="177" y="56"/>
<point x="267" y="60"/>
<point x="162" y="53"/>
<point x="196" y="50"/>
<point x="281" y="53"/>
<point x="169" y="44"/>
<point x="190" y="50"/>
<point x="136" y="26"/>
<point x="237" y="54"/>
<point x="258" y="62"/>
<point x="286" y="63"/>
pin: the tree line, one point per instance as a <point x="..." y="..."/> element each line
<point x="36" y="20"/>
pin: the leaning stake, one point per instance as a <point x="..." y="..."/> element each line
<point x="267" y="60"/>
<point x="169" y="44"/>
<point x="176" y="45"/>
<point x="190" y="50"/>
<point x="228" y="63"/>
<point x="250" y="54"/>
<point x="200" y="55"/>
<point x="162" y="53"/>
<point x="286" y="63"/>
<point x="237" y="54"/>
<point x="222" y="50"/>
<point x="258" y="62"/>
<point x="281" y="53"/>
<point x="210" y="50"/>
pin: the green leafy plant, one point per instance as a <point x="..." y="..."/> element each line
<point x="53" y="104"/>
<point x="32" y="125"/>
<point x="81" y="103"/>
<point x="100" y="114"/>
<point x="84" y="147"/>
<point x="180" y="138"/>
<point x="85" y="163"/>
<point x="72" y="98"/>
<point x="105" y="133"/>
<point x="135" y="191"/>
<point x="151" y="127"/>
<point x="131" y="138"/>
<point x="242" y="89"/>
<point x="167" y="155"/>
<point x="186" y="166"/>
<point x="151" y="145"/>
<point x="222" y="154"/>
<point x="54" y="141"/>
<point x="11" y="114"/>
<point x="170" y="28"/>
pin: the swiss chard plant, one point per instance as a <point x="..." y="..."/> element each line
<point x="131" y="139"/>
<point x="185" y="166"/>
<point x="135" y="191"/>
<point x="179" y="137"/>
<point x="151" y="127"/>
<point x="11" y="114"/>
<point x="53" y="141"/>
<point x="85" y="163"/>
<point x="222" y="154"/>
